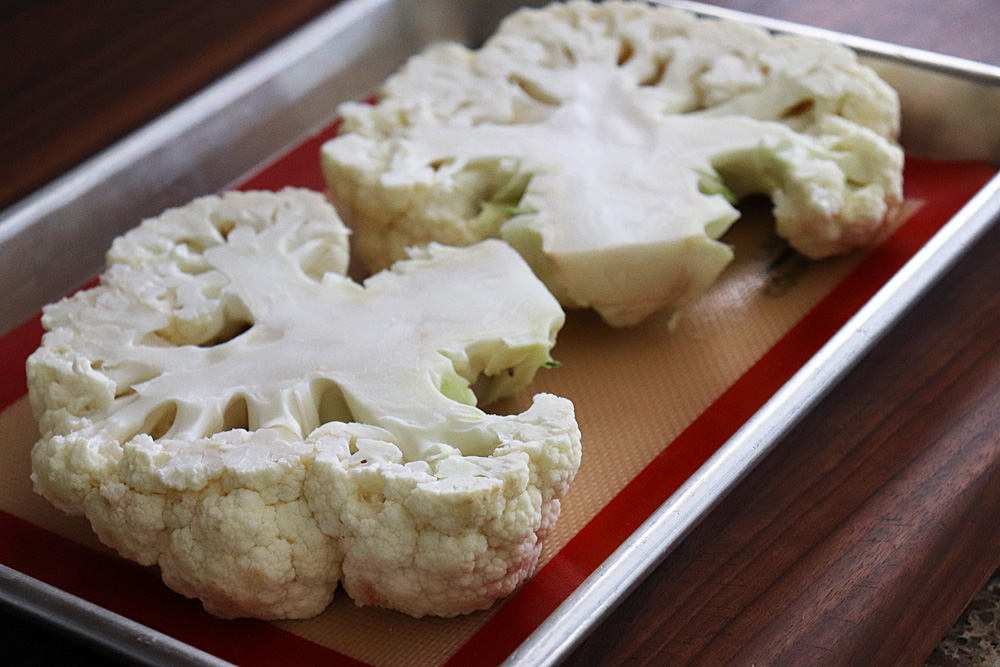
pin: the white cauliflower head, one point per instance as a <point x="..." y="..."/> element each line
<point x="228" y="405"/>
<point x="597" y="137"/>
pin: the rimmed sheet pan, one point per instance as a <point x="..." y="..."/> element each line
<point x="811" y="323"/>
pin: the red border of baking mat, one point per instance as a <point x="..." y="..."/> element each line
<point x="132" y="592"/>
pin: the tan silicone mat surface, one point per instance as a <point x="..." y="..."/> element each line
<point x="634" y="389"/>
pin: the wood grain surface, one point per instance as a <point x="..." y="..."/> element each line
<point x="78" y="75"/>
<point x="857" y="542"/>
<point x="861" y="538"/>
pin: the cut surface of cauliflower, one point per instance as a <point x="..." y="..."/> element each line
<point x="607" y="143"/>
<point x="228" y="405"/>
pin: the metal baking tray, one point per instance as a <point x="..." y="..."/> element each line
<point x="279" y="98"/>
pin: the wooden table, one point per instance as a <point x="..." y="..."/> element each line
<point x="875" y="521"/>
<point x="861" y="537"/>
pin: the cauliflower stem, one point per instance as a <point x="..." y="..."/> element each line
<point x="593" y="137"/>
<point x="227" y="405"/>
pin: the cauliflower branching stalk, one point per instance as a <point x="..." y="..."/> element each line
<point x="227" y="405"/>
<point x="607" y="144"/>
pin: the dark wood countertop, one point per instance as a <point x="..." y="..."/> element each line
<point x="858" y="541"/>
<point x="865" y="533"/>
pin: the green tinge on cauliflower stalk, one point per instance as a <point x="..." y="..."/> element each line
<point x="597" y="137"/>
<point x="229" y="406"/>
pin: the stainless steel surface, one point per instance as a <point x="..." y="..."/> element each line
<point x="935" y="129"/>
<point x="291" y="90"/>
<point x="54" y="240"/>
<point x="210" y="141"/>
<point x="116" y="634"/>
<point x="664" y="530"/>
<point x="961" y="129"/>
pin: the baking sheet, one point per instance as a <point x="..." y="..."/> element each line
<point x="636" y="391"/>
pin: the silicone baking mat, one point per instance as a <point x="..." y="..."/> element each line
<point x="654" y="402"/>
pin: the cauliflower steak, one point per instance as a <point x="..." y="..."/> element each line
<point x="607" y="144"/>
<point x="229" y="406"/>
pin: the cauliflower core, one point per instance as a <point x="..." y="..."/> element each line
<point x="607" y="142"/>
<point x="229" y="406"/>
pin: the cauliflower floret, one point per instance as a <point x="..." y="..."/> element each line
<point x="227" y="405"/>
<point x="596" y="137"/>
<point x="452" y="536"/>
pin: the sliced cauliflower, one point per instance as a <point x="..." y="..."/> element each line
<point x="607" y="144"/>
<point x="228" y="405"/>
